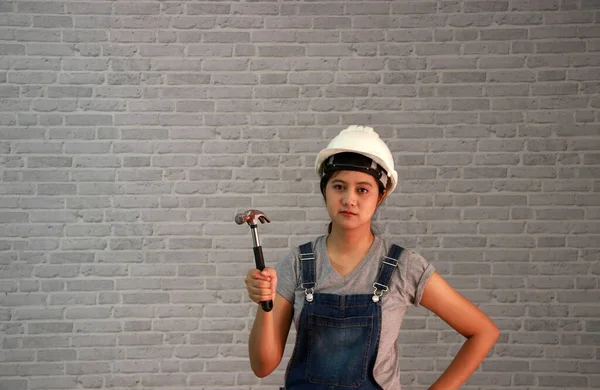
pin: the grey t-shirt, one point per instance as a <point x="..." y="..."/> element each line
<point x="406" y="289"/>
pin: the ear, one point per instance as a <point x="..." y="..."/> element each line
<point x="381" y="198"/>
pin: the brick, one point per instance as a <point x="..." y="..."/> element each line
<point x="552" y="32"/>
<point x="50" y="327"/>
<point x="136" y="366"/>
<point x="52" y="382"/>
<point x="140" y="339"/>
<point x="486" y="6"/>
<point x="509" y="34"/>
<point x="535" y="5"/>
<point x="118" y="380"/>
<point x="574" y="47"/>
<point x="573" y="17"/>
<point x="98" y="327"/>
<point x="88" y="313"/>
<point x="72" y="299"/>
<point x="14" y="384"/>
<point x="564" y="380"/>
<point x="45" y="341"/>
<point x="88" y="8"/>
<point x="37" y="314"/>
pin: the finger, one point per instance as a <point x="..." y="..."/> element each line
<point x="255" y="278"/>
<point x="259" y="284"/>
<point x="274" y="285"/>
<point x="261" y="296"/>
<point x="259" y="289"/>
<point x="267" y="296"/>
<point x="260" y="275"/>
<point x="269" y="272"/>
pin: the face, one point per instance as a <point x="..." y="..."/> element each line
<point x="352" y="198"/>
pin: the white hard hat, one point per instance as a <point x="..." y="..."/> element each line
<point x="365" y="141"/>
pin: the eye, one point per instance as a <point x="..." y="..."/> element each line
<point x="363" y="190"/>
<point x="338" y="187"/>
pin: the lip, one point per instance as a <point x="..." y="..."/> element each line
<point x="347" y="213"/>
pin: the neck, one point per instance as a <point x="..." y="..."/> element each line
<point x="350" y="241"/>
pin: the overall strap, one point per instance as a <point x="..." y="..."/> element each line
<point x="307" y="267"/>
<point x="388" y="266"/>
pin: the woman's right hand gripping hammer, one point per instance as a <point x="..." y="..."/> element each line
<point x="270" y="329"/>
<point x="261" y="285"/>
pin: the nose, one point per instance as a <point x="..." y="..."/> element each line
<point x="349" y="198"/>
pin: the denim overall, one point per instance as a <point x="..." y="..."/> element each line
<point x="338" y="335"/>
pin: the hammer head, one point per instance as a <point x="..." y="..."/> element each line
<point x="251" y="217"/>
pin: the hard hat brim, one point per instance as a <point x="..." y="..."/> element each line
<point x="328" y="152"/>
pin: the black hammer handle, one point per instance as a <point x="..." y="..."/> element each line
<point x="260" y="265"/>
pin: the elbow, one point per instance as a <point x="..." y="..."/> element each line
<point x="261" y="372"/>
<point x="495" y="332"/>
<point x="263" y="363"/>
<point x="491" y="333"/>
<point x="263" y="369"/>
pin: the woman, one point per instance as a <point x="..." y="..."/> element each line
<point x="347" y="292"/>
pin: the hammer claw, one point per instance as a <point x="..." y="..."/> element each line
<point x="251" y="217"/>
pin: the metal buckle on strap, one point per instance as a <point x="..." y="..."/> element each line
<point x="308" y="292"/>
<point x="377" y="295"/>
<point x="393" y="264"/>
<point x="378" y="292"/>
<point x="307" y="256"/>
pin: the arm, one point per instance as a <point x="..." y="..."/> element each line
<point x="468" y="320"/>
<point x="270" y="329"/>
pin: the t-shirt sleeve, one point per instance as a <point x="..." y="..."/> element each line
<point x="287" y="277"/>
<point x="417" y="271"/>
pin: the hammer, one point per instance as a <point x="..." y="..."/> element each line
<point x="251" y="217"/>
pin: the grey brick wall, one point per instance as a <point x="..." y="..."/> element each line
<point x="131" y="132"/>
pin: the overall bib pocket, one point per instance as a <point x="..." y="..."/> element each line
<point x="343" y="350"/>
